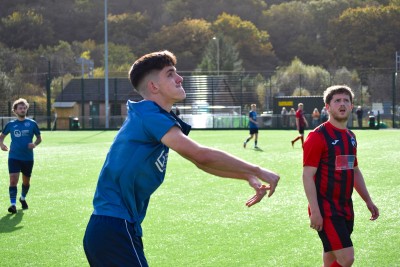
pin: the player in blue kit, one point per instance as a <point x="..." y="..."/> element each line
<point x="253" y="126"/>
<point x="136" y="163"/>
<point x="20" y="157"/>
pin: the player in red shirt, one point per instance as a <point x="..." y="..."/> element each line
<point x="330" y="172"/>
<point x="301" y="123"/>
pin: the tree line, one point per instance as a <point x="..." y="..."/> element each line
<point x="207" y="36"/>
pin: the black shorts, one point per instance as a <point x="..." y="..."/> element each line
<point x="253" y="130"/>
<point x="111" y="241"/>
<point x="336" y="233"/>
<point x="17" y="166"/>
<point x="301" y="130"/>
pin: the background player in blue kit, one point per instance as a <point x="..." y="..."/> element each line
<point x="20" y="157"/>
<point x="136" y="163"/>
<point x="253" y="125"/>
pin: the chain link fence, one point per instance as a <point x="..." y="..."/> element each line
<point x="213" y="101"/>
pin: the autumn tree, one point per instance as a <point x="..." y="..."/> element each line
<point x="366" y="37"/>
<point x="253" y="45"/>
<point x="186" y="39"/>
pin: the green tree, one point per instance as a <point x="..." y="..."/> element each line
<point x="298" y="78"/>
<point x="27" y="30"/>
<point x="186" y="40"/>
<point x="176" y="10"/>
<point x="6" y="87"/>
<point x="220" y="48"/>
<point x="292" y="32"/>
<point x="120" y="59"/>
<point x="128" y="29"/>
<point x="366" y="37"/>
<point x="253" y="45"/>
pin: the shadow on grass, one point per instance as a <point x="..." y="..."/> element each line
<point x="9" y="223"/>
<point x="258" y="149"/>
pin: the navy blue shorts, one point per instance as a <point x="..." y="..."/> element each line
<point x="111" y="241"/>
<point x="17" y="166"/>
<point x="336" y="233"/>
<point x="301" y="130"/>
<point x="253" y="130"/>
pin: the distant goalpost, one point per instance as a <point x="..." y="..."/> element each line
<point x="203" y="116"/>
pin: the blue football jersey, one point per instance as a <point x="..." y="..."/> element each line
<point x="22" y="133"/>
<point x="135" y="164"/>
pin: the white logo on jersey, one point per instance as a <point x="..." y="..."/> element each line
<point x="161" y="162"/>
<point x="335" y="142"/>
<point x="17" y="133"/>
<point x="353" y="142"/>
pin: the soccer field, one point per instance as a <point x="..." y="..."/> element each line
<point x="196" y="219"/>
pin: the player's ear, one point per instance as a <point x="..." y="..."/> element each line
<point x="152" y="86"/>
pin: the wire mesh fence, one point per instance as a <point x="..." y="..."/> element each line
<point x="214" y="101"/>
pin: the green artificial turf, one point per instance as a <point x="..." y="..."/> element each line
<point x="196" y="219"/>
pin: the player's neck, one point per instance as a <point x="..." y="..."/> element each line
<point x="338" y="124"/>
<point x="21" y="118"/>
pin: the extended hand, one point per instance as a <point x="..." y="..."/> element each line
<point x="261" y="191"/>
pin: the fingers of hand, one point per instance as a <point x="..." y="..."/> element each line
<point x="252" y="201"/>
<point x="255" y="199"/>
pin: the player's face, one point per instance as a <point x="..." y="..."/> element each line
<point x="340" y="107"/>
<point x="170" y="84"/>
<point x="21" y="110"/>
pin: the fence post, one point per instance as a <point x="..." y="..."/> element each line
<point x="394" y="76"/>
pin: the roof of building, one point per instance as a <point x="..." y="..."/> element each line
<point x="119" y="89"/>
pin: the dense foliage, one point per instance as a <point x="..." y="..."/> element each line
<point x="252" y="35"/>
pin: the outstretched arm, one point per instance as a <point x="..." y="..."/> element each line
<point x="361" y="188"/>
<point x="222" y="164"/>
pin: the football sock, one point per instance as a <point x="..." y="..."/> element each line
<point x="25" y="189"/>
<point x="13" y="195"/>
<point x="255" y="143"/>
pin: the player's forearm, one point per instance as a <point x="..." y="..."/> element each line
<point x="311" y="193"/>
<point x="38" y="141"/>
<point x="2" y="136"/>
<point x="359" y="185"/>
<point x="221" y="173"/>
<point x="223" y="164"/>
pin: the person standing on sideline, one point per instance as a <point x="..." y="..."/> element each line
<point x="324" y="115"/>
<point x="253" y="125"/>
<point x="284" y="117"/>
<point x="315" y="118"/>
<point x="292" y="118"/>
<point x="301" y="123"/>
<point x="359" y="113"/>
<point x="136" y="163"/>
<point x="20" y="157"/>
<point x="330" y="172"/>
